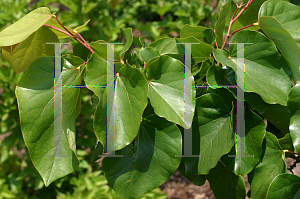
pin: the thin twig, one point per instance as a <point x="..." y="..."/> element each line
<point x="216" y="44"/>
<point x="240" y="29"/>
<point x="84" y="41"/>
<point x="55" y="28"/>
<point x="74" y="36"/>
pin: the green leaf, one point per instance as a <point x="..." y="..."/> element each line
<point x="101" y="49"/>
<point x="30" y="49"/>
<point x="204" y="34"/>
<point x="130" y="100"/>
<point x="264" y="67"/>
<point x="286" y="143"/>
<point x="148" y="53"/>
<point x="166" y="89"/>
<point x="212" y="134"/>
<point x="221" y="22"/>
<point x="200" y="51"/>
<point x="256" y="102"/>
<point x="255" y="130"/>
<point x="150" y="159"/>
<point x="225" y="184"/>
<point x="272" y="164"/>
<point x="198" y="180"/>
<point x="279" y="116"/>
<point x="294" y="106"/>
<point x="23" y="28"/>
<point x="219" y="76"/>
<point x="287" y="15"/>
<point x="129" y="39"/>
<point x="36" y="106"/>
<point x="165" y="46"/>
<point x="284" y="186"/>
<point x="74" y="60"/>
<point x="285" y="43"/>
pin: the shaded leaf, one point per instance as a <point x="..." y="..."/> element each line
<point x="149" y="159"/>
<point x="272" y="164"/>
<point x="212" y="134"/>
<point x="225" y="184"/>
<point x="294" y="106"/>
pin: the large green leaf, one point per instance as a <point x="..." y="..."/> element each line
<point x="148" y="161"/>
<point x="255" y="130"/>
<point x="285" y="43"/>
<point x="30" y="49"/>
<point x="36" y="106"/>
<point x="23" y="28"/>
<point x="286" y="13"/>
<point x="272" y="164"/>
<point x="264" y="67"/>
<point x="225" y="184"/>
<point x="285" y="186"/>
<point x="212" y="134"/>
<point x="166" y="89"/>
<point x="130" y="100"/>
<point x="294" y="106"/>
<point x="204" y="34"/>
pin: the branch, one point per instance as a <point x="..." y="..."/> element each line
<point x="240" y="29"/>
<point x="74" y="36"/>
<point x="55" y="28"/>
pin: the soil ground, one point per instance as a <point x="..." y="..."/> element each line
<point x="179" y="187"/>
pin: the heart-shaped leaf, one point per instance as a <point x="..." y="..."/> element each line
<point x="24" y="27"/>
<point x="53" y="156"/>
<point x="264" y="67"/>
<point x="166" y="89"/>
<point x="212" y="134"/>
<point x="150" y="159"/>
<point x="130" y="100"/>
